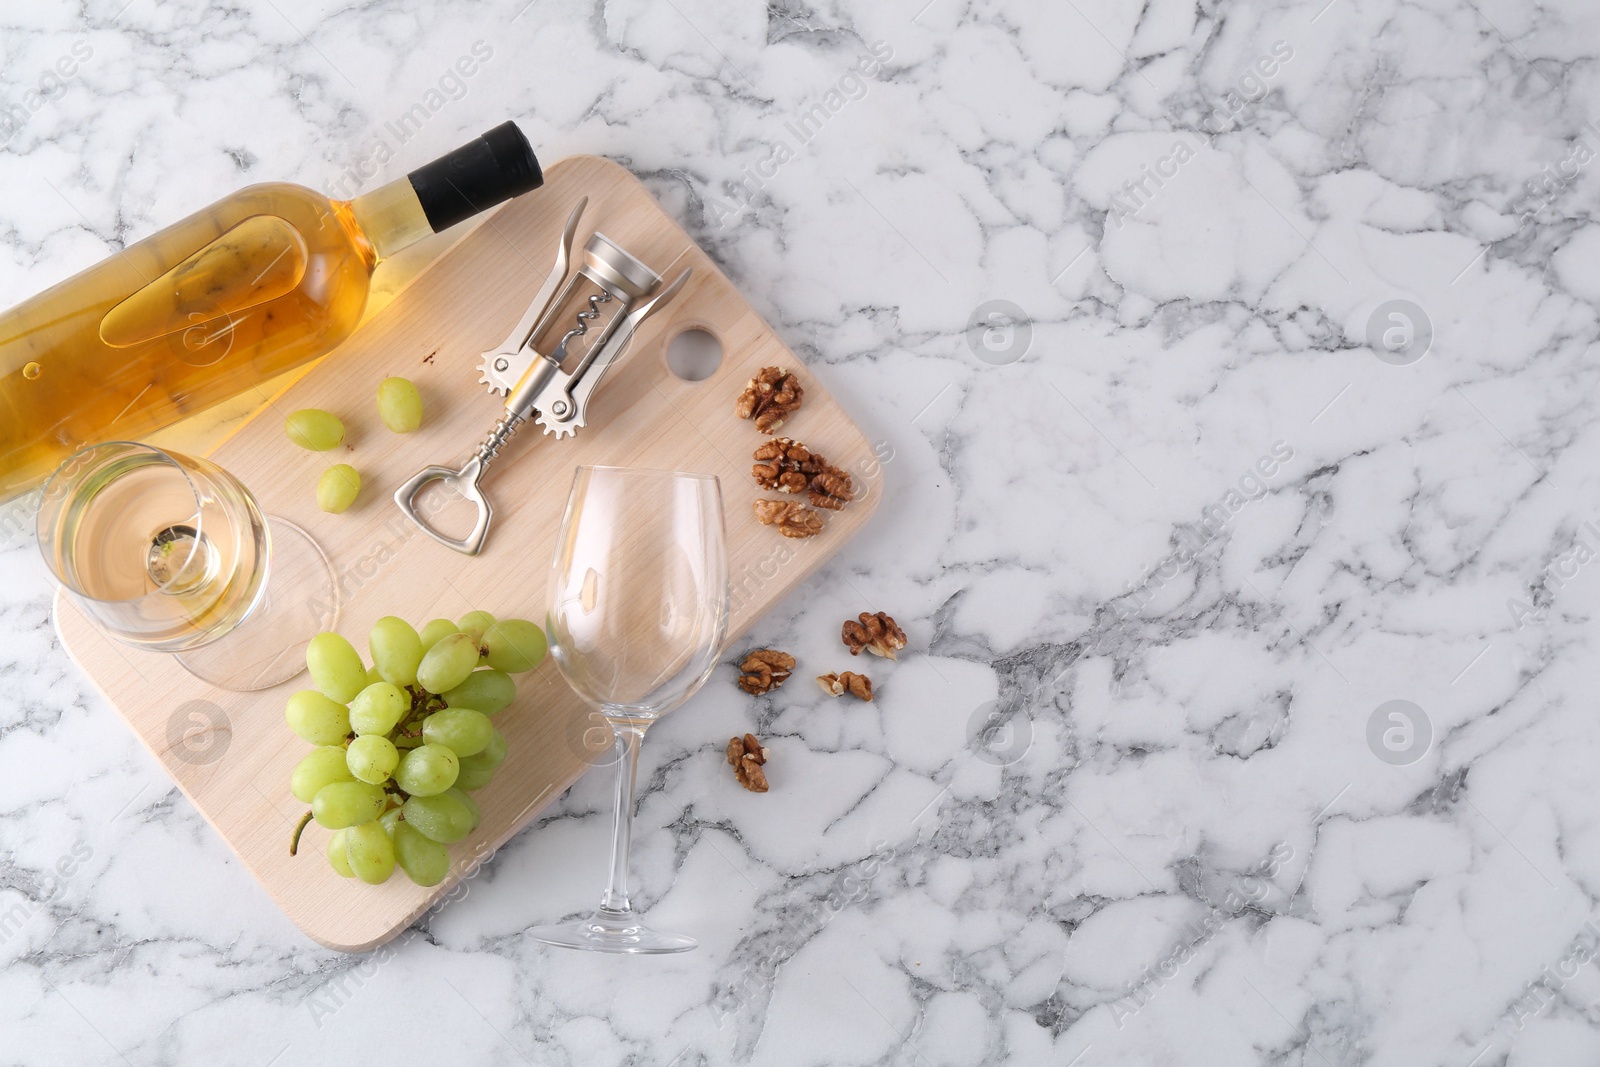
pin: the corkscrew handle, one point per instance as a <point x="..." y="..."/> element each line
<point x="468" y="480"/>
<point x="463" y="481"/>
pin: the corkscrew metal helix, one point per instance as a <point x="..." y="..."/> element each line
<point x="534" y="384"/>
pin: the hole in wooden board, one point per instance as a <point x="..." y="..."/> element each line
<point x="694" y="355"/>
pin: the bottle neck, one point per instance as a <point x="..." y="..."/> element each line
<point x="387" y="219"/>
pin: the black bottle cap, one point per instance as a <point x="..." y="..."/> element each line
<point x="475" y="177"/>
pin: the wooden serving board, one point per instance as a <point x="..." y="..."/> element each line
<point x="643" y="415"/>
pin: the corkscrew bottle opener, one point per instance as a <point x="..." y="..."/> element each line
<point x="533" y="382"/>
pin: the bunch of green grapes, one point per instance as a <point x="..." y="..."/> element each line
<point x="402" y="745"/>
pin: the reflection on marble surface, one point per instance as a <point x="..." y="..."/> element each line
<point x="1298" y="425"/>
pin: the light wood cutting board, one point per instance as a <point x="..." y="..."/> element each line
<point x="236" y="770"/>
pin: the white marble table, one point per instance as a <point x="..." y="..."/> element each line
<point x="1166" y="550"/>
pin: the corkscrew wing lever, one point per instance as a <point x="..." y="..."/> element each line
<point x="501" y="366"/>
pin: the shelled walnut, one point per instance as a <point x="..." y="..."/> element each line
<point x="857" y="685"/>
<point x="769" y="398"/>
<point x="792" y="518"/>
<point x="832" y="489"/>
<point x="788" y="466"/>
<point x="877" y="633"/>
<point x="764" y="670"/>
<point x="745" y="756"/>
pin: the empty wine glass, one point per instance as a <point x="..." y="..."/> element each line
<point x="638" y="615"/>
<point x="171" y="553"/>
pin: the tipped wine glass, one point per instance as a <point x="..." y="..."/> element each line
<point x="638" y="616"/>
<point x="171" y="553"/>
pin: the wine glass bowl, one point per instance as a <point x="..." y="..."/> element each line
<point x="638" y="616"/>
<point x="627" y="624"/>
<point x="171" y="553"/>
<point x="162" y="553"/>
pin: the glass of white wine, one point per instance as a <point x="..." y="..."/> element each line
<point x="638" y="615"/>
<point x="171" y="553"/>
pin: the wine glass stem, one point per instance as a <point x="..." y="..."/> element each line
<point x="629" y="734"/>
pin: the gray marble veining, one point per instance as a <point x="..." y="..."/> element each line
<point x="1296" y="423"/>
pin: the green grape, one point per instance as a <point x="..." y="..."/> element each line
<point x="373" y="675"/>
<point x="425" y="861"/>
<point x="435" y="630"/>
<point x="370" y="852"/>
<point x="475" y="774"/>
<point x="316" y="718"/>
<point x="439" y="818"/>
<point x="447" y="664"/>
<point x="462" y="730"/>
<point x="514" y="646"/>
<point x="338" y="858"/>
<point x="477" y="770"/>
<point x="399" y="405"/>
<point x="378" y="708"/>
<point x="474" y="624"/>
<point x="335" y="668"/>
<point x="341" y="804"/>
<point x="338" y="488"/>
<point x="495" y="751"/>
<point x="396" y="649"/>
<point x="372" y="758"/>
<point x="468" y="803"/>
<point x="322" y="766"/>
<point x="427" y="770"/>
<point x="314" y="429"/>
<point x="389" y="820"/>
<point x="487" y="691"/>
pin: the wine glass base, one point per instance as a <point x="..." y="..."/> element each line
<point x="606" y="931"/>
<point x="301" y="600"/>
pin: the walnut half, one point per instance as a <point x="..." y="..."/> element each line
<point x="877" y="633"/>
<point x="764" y="670"/>
<point x="857" y="685"/>
<point x="785" y="465"/>
<point x="769" y="397"/>
<point x="832" y="489"/>
<point x="745" y="756"/>
<point x="788" y="466"/>
<point x="792" y="518"/>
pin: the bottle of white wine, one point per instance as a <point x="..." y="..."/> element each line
<point x="259" y="282"/>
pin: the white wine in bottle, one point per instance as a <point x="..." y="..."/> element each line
<point x="259" y="282"/>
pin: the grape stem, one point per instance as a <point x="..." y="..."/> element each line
<point x="294" y="842"/>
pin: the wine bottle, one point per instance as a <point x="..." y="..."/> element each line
<point x="259" y="282"/>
